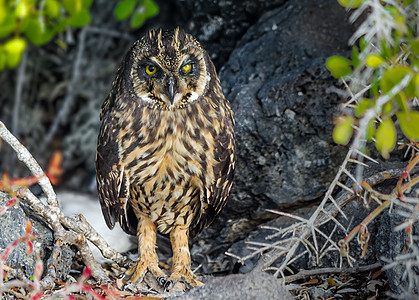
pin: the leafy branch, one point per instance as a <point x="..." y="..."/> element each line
<point x="39" y="21"/>
<point x="382" y="76"/>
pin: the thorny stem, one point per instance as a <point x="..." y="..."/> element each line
<point x="321" y="218"/>
<point x="406" y="174"/>
<point x="269" y="259"/>
<point x="389" y="199"/>
<point x="363" y="229"/>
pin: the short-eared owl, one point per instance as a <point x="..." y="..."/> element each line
<point x="166" y="150"/>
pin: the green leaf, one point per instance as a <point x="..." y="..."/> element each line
<point x="401" y="101"/>
<point x="37" y="33"/>
<point x="387" y="108"/>
<point x="15" y="45"/>
<point x="13" y="49"/>
<point x="3" y="13"/>
<point x="401" y="23"/>
<point x="415" y="62"/>
<point x="137" y="19"/>
<point x="124" y="9"/>
<point x="152" y="8"/>
<point x="409" y="123"/>
<point x="392" y="77"/>
<point x="385" y="138"/>
<point x="72" y="6"/>
<point x="343" y="130"/>
<point x="81" y="19"/>
<point x="355" y="57"/>
<point x="414" y="47"/>
<point x="386" y="50"/>
<point x="350" y="3"/>
<point x="370" y="131"/>
<point x="412" y="87"/>
<point x="86" y="4"/>
<point x="338" y="66"/>
<point x="375" y="84"/>
<point x="62" y="24"/>
<point x="147" y="10"/>
<point x="52" y="8"/>
<point x="373" y="61"/>
<point x="9" y="24"/>
<point x="362" y="107"/>
<point x="415" y="81"/>
<point x="22" y="9"/>
<point x="407" y="2"/>
<point x="362" y="43"/>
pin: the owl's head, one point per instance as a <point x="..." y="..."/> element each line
<point x="169" y="69"/>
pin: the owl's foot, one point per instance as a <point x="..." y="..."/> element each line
<point x="137" y="271"/>
<point x="185" y="275"/>
<point x="181" y="269"/>
<point x="148" y="260"/>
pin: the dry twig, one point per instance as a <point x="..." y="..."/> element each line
<point x="66" y="230"/>
<point x="321" y="271"/>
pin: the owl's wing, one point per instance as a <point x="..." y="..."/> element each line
<point x="217" y="194"/>
<point x="112" y="183"/>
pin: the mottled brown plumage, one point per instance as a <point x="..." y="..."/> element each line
<point x="166" y="150"/>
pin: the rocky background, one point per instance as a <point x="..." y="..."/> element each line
<point x="270" y="56"/>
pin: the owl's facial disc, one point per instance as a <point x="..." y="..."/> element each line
<point x="170" y="70"/>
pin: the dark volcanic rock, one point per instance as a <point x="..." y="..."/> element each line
<point x="252" y="286"/>
<point x="12" y="227"/>
<point x="390" y="246"/>
<point x="219" y="24"/>
<point x="284" y="106"/>
<point x="282" y="95"/>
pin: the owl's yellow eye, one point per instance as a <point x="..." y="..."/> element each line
<point x="150" y="70"/>
<point x="187" y="68"/>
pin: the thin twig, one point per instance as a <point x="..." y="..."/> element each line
<point x="71" y="94"/>
<point x="26" y="157"/>
<point x="21" y="71"/>
<point x="322" y="271"/>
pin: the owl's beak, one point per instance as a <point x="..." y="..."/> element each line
<point x="171" y="89"/>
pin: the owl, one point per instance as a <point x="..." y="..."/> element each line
<point x="166" y="149"/>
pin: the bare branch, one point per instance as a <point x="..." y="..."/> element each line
<point x="66" y="230"/>
<point x="306" y="273"/>
<point x="71" y="95"/>
<point x="26" y="157"/>
<point x="18" y="93"/>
